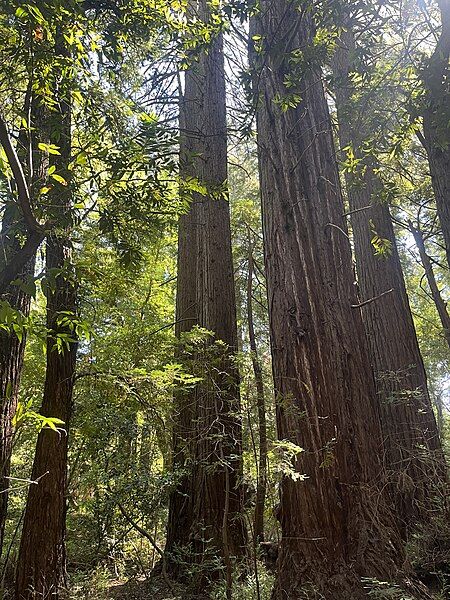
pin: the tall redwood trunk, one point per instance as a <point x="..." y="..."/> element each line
<point x="41" y="560"/>
<point x="410" y="435"/>
<point x="436" y="118"/>
<point x="180" y="518"/>
<point x="207" y="430"/>
<point x="333" y="529"/>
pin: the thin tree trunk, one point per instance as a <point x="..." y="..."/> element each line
<point x="441" y="306"/>
<point x="41" y="560"/>
<point x="258" y="526"/>
<point x="411" y="438"/>
<point x="439" y="403"/>
<point x="205" y="517"/>
<point x="335" y="524"/>
<point x="436" y="117"/>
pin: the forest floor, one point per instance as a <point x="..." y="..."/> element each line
<point x="154" y="588"/>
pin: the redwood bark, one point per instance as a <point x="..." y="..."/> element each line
<point x="210" y="519"/>
<point x="333" y="529"/>
<point x="436" y="118"/>
<point x="41" y="560"/>
<point x="410" y="435"/>
<point x="180" y="518"/>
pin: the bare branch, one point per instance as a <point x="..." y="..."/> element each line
<point x="373" y="299"/>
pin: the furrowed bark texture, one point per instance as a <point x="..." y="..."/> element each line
<point x="41" y="560"/>
<point x="208" y="419"/>
<point x="412" y="449"/>
<point x="180" y="518"/>
<point x="335" y="524"/>
<point x="436" y="119"/>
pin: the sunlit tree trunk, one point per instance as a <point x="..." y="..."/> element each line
<point x="335" y="523"/>
<point x="206" y="509"/>
<point x="41" y="560"/>
<point x="410" y="435"/>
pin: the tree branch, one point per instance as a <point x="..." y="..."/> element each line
<point x="15" y="266"/>
<point x="23" y="192"/>
<point x="372" y="299"/>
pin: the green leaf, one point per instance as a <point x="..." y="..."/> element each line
<point x="59" y="179"/>
<point x="21" y="12"/>
<point x="50" y="148"/>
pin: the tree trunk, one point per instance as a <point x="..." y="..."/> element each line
<point x="439" y="403"/>
<point x="41" y="560"/>
<point x="411" y="438"/>
<point x="335" y="524"/>
<point x="12" y="350"/>
<point x="180" y="518"/>
<point x="12" y="346"/>
<point x="436" y="119"/>
<point x="441" y="306"/>
<point x="205" y="510"/>
<point x="258" y="524"/>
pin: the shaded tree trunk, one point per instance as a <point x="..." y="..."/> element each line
<point x="439" y="403"/>
<point x="436" y="119"/>
<point x="12" y="350"/>
<point x="335" y="523"/>
<point x="205" y="517"/>
<point x="41" y="560"/>
<point x="441" y="306"/>
<point x="410" y="435"/>
<point x="258" y="524"/>
<point x="12" y="346"/>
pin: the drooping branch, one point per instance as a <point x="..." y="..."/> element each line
<point x="439" y="302"/>
<point x="36" y="232"/>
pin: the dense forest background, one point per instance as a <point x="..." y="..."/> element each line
<point x="224" y="274"/>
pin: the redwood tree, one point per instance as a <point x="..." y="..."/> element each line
<point x="335" y="524"/>
<point x="410" y="435"/>
<point x="41" y="560"/>
<point x="205" y="512"/>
